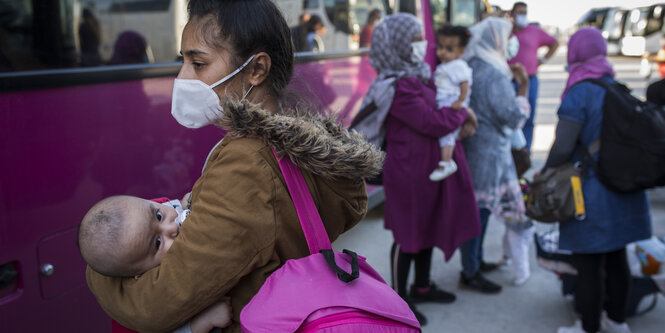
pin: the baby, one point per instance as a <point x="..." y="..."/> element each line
<point x="125" y="236"/>
<point x="453" y="88"/>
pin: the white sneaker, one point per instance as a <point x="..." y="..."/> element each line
<point x="608" y="325"/>
<point x="576" y="328"/>
<point x="521" y="279"/>
<point x="444" y="170"/>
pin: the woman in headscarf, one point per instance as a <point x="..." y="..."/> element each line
<point x="129" y="48"/>
<point x="421" y="214"/>
<point x="499" y="113"/>
<point x="612" y="219"/>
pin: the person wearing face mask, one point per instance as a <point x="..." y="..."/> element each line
<point x="499" y="112"/>
<point x="238" y="58"/>
<point x="531" y="38"/>
<point x="613" y="220"/>
<point x="420" y="213"/>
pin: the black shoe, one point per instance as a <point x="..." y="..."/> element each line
<point x="479" y="283"/>
<point x="488" y="266"/>
<point x="419" y="316"/>
<point x="434" y="294"/>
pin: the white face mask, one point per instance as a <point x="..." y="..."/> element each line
<point x="520" y="20"/>
<point x="513" y="47"/>
<point x="195" y="104"/>
<point x="418" y="51"/>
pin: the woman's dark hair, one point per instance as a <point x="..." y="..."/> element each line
<point x="249" y="26"/>
<point x="461" y="32"/>
<point x="374" y="15"/>
<point x="313" y="21"/>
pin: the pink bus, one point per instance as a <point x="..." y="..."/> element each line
<point x="83" y="118"/>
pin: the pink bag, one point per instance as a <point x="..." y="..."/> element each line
<point x="316" y="293"/>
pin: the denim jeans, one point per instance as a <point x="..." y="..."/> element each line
<point x="533" y="98"/>
<point x="472" y="250"/>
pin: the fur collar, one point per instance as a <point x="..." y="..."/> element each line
<point x="315" y="143"/>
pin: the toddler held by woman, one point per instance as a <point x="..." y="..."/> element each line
<point x="453" y="88"/>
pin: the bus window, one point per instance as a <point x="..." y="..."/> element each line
<point x="343" y="20"/>
<point x="636" y="22"/>
<point x="408" y="6"/>
<point x="655" y="20"/>
<point x="439" y="9"/>
<point x="457" y="12"/>
<point x="60" y="34"/>
<point x="614" y="24"/>
<point x="32" y="38"/>
<point x="138" y="31"/>
<point x="464" y="12"/>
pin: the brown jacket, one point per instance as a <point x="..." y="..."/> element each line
<point x="243" y="225"/>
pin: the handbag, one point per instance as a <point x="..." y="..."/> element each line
<point x="556" y="195"/>
<point x="317" y="292"/>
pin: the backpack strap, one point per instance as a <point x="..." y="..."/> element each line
<point x="310" y="220"/>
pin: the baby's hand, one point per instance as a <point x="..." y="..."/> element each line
<point x="457" y="105"/>
<point x="185" y="200"/>
<point x="217" y="315"/>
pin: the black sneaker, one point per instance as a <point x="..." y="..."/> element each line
<point x="488" y="266"/>
<point x="419" y="316"/>
<point x="479" y="283"/>
<point x="433" y="294"/>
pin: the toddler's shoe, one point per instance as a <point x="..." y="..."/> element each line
<point x="444" y="170"/>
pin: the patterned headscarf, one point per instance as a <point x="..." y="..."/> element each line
<point x="489" y="42"/>
<point x="390" y="50"/>
<point x="587" y="57"/>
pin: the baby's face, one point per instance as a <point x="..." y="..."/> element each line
<point x="148" y="232"/>
<point x="448" y="48"/>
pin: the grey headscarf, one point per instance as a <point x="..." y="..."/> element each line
<point x="489" y="42"/>
<point x="390" y="51"/>
<point x="390" y="55"/>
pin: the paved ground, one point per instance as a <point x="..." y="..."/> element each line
<point x="537" y="306"/>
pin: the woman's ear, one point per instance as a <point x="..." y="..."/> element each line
<point x="260" y="70"/>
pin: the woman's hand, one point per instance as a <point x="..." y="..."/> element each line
<point x="467" y="130"/>
<point x="217" y="315"/>
<point x="470" y="125"/>
<point x="472" y="118"/>
<point x="519" y="73"/>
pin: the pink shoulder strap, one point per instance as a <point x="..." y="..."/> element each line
<point x="310" y="221"/>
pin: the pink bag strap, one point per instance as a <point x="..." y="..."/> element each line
<point x="310" y="220"/>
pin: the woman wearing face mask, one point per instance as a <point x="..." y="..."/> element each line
<point x="499" y="113"/>
<point x="598" y="242"/>
<point x="243" y="224"/>
<point x="421" y="214"/>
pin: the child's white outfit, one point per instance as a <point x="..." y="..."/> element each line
<point x="518" y="234"/>
<point x="447" y="78"/>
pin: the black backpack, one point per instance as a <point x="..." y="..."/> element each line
<point x="631" y="148"/>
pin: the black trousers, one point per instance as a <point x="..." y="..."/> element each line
<point x="400" y="264"/>
<point x="602" y="279"/>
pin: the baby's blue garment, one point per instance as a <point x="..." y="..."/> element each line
<point x="612" y="219"/>
<point x="517" y="139"/>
